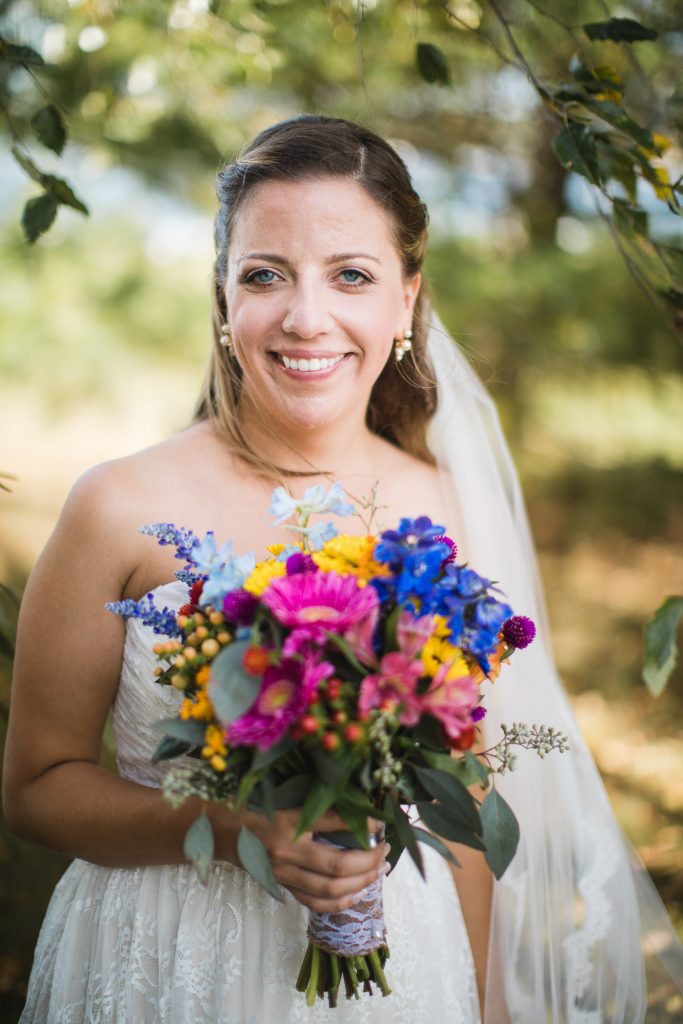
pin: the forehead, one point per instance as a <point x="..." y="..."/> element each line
<point x="312" y="214"/>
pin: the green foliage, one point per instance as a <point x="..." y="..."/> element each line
<point x="501" y="832"/>
<point x="232" y="689"/>
<point x="199" y="845"/>
<point x="660" y="647"/>
<point x="619" y="30"/>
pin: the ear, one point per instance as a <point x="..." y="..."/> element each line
<point x="411" y="288"/>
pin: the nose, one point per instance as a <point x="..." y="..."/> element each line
<point x="307" y="315"/>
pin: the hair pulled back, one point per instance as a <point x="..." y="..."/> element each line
<point x="314" y="146"/>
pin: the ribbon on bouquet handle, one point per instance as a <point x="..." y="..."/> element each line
<point x="358" y="930"/>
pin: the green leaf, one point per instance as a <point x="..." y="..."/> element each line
<point x="348" y="840"/>
<point x="469" y="768"/>
<point x="431" y="840"/>
<point x="189" y="731"/>
<point x="332" y="770"/>
<point x="501" y="832"/>
<point x="452" y="795"/>
<point x="615" y="115"/>
<point x="9" y="611"/>
<point x="63" y="192"/>
<point x="660" y="650"/>
<point x="264" y="758"/>
<point x="292" y="792"/>
<point x="432" y="64"/>
<point x="231" y="688"/>
<point x="406" y="834"/>
<point x="575" y="148"/>
<point x="436" y="819"/>
<point x="38" y="215"/>
<point x="397" y="847"/>
<point x="49" y="128"/>
<point x="319" y="800"/>
<point x="255" y="860"/>
<point x="14" y="54"/>
<point x="630" y="219"/>
<point x="340" y="643"/>
<point x="170" y="747"/>
<point x="619" y="30"/>
<point x="198" y="845"/>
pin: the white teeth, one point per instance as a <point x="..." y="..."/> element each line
<point x="310" y="364"/>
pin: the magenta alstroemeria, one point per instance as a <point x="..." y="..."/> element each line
<point x="412" y="634"/>
<point x="394" y="684"/>
<point x="451" y="701"/>
<point x="286" y="692"/>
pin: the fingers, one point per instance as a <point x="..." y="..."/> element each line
<point x="323" y="894"/>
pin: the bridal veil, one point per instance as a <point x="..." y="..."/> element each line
<point x="579" y="934"/>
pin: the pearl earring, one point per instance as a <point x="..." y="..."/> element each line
<point x="403" y="345"/>
<point x="226" y="339"/>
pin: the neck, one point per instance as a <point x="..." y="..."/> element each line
<point x="337" y="450"/>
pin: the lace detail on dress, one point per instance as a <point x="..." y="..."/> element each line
<point x="154" y="946"/>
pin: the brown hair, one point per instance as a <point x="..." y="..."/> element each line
<point x="313" y="146"/>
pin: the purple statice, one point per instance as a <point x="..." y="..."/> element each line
<point x="240" y="607"/>
<point x="519" y="631"/>
<point x="161" y="620"/>
<point x="300" y="562"/>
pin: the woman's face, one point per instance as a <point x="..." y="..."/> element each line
<point x="313" y="275"/>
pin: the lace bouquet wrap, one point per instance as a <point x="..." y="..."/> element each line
<point x="346" y="672"/>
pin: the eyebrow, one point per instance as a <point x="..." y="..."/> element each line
<point x="336" y="258"/>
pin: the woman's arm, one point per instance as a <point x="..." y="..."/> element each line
<point x="69" y="653"/>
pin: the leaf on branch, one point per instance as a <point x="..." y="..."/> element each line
<point x="432" y="64"/>
<point x="615" y="115"/>
<point x="63" y="193"/>
<point x="501" y="832"/>
<point x="231" y="688"/>
<point x="256" y="862"/>
<point x="170" y="747"/>
<point x="188" y="730"/>
<point x="406" y="834"/>
<point x="14" y="54"/>
<point x="48" y="126"/>
<point x="629" y="218"/>
<point x="38" y="215"/>
<point x="431" y="840"/>
<point x="198" y="845"/>
<point x="660" y="650"/>
<point x="619" y="30"/>
<point x="575" y="148"/>
<point x="27" y="164"/>
<point x="439" y="821"/>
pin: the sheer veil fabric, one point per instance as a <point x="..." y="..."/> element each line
<point x="579" y="934"/>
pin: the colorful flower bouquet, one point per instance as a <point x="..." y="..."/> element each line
<point x="343" y="672"/>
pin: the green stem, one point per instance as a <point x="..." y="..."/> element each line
<point x="378" y="972"/>
<point x="312" y="988"/>
<point x="305" y="972"/>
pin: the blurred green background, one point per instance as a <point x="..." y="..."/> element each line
<point x="105" y="321"/>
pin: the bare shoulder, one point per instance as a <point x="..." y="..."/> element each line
<point x="413" y="487"/>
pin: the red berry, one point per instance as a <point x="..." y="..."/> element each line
<point x="339" y="717"/>
<point x="334" y="687"/>
<point x="309" y="724"/>
<point x="465" y="740"/>
<point x="353" y="733"/>
<point x="330" y="741"/>
<point x="255" y="660"/>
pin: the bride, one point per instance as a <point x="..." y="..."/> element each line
<point x="328" y="364"/>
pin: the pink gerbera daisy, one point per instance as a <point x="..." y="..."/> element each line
<point x="316" y="603"/>
<point x="286" y="692"/>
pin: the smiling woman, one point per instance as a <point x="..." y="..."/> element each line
<point x="327" y="360"/>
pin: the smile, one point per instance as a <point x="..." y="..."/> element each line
<point x="315" y="365"/>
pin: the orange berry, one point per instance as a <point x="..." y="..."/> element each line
<point x="198" y="619"/>
<point x="255" y="660"/>
<point x="179" y="681"/>
<point x="223" y="637"/>
<point x="190" y="653"/>
<point x="180" y="661"/>
<point x="353" y="733"/>
<point x="340" y="717"/>
<point x="210" y="647"/>
<point x="202" y="632"/>
<point x="330" y="741"/>
<point x="309" y="724"/>
<point x="216" y="618"/>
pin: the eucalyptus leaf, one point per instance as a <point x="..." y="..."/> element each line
<point x="292" y="792"/>
<point x="170" y="747"/>
<point x="452" y="796"/>
<point x="501" y="832"/>
<point x="63" y="192"/>
<point x="406" y="835"/>
<point x="264" y="758"/>
<point x="188" y="730"/>
<point x="256" y="862"/>
<point x="231" y="688"/>
<point x="660" y="650"/>
<point x="432" y="64"/>
<point x="38" y="215"/>
<point x="620" y="30"/>
<point x="331" y="770"/>
<point x="49" y="127"/>
<point x="431" y="840"/>
<point x="438" y="820"/>
<point x="198" y="846"/>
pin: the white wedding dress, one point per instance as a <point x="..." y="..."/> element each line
<point x="153" y="945"/>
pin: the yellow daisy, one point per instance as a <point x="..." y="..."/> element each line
<point x="262" y="575"/>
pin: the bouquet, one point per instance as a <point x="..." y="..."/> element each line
<point x="347" y="672"/>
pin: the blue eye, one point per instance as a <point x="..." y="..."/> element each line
<point x="252" y="277"/>
<point x="363" y="278"/>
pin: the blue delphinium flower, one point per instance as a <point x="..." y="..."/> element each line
<point x="162" y="620"/>
<point x="315" y="500"/>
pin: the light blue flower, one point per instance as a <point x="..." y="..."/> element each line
<point x="207" y="557"/>
<point x="318" y="534"/>
<point x="230" y="575"/>
<point x="315" y="501"/>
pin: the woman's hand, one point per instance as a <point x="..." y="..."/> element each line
<point x="322" y="877"/>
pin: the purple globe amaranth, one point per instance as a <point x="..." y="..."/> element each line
<point x="299" y="562"/>
<point x="519" y="631"/>
<point x="240" y="607"/>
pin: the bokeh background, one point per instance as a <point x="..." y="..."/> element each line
<point x="104" y="321"/>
